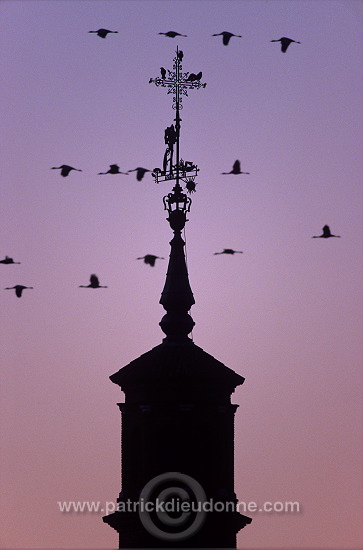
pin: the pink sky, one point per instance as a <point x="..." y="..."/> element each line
<point x="286" y="314"/>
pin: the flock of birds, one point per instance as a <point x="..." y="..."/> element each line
<point x="65" y="170"/>
<point x="114" y="169"/>
<point x="149" y="259"/>
<point x="226" y="37"/>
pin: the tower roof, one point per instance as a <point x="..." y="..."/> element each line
<point x="183" y="369"/>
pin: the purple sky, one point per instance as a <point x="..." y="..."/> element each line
<point x="286" y="314"/>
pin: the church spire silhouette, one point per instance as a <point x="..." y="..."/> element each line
<point x="177" y="418"/>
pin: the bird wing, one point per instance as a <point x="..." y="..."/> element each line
<point x="236" y="166"/>
<point x="226" y="38"/>
<point x="18" y="290"/>
<point x="94" y="280"/>
<point x="65" y="170"/>
<point x="150" y="259"/>
<point x="326" y="231"/>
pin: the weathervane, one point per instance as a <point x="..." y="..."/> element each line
<point x="178" y="83"/>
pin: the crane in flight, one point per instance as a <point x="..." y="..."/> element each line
<point x="18" y="289"/>
<point x="150" y="259"/>
<point x="94" y="283"/>
<point x="102" y="33"/>
<point x="228" y="251"/>
<point x="8" y="260"/>
<point x="65" y="169"/>
<point x="236" y="169"/>
<point x="172" y="34"/>
<point x="227" y="36"/>
<point x="114" y="169"/>
<point x="326" y="234"/>
<point x="285" y="42"/>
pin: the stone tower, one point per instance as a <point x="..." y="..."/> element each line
<point x="177" y="418"/>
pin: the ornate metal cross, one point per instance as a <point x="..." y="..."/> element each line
<point x="178" y="84"/>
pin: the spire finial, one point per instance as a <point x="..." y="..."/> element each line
<point x="177" y="297"/>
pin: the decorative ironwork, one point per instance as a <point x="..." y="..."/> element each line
<point x="186" y="170"/>
<point x="178" y="83"/>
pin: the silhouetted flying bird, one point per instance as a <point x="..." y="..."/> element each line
<point x="172" y="34"/>
<point x="227" y="36"/>
<point x="18" y="289"/>
<point x="102" y="33"/>
<point x="229" y="251"/>
<point x="114" y="169"/>
<point x="65" y="169"/>
<point x="140" y="172"/>
<point x="326" y="234"/>
<point x="150" y="259"/>
<point x="285" y="42"/>
<point x="8" y="260"/>
<point x="236" y="169"/>
<point x="163" y="73"/>
<point x="94" y="283"/>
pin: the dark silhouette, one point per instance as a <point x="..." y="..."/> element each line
<point x="94" y="283"/>
<point x="326" y="234"/>
<point x="65" y="169"/>
<point x="193" y="77"/>
<point x="163" y="73"/>
<point x="18" y="289"/>
<point x="140" y="172"/>
<point x="170" y="139"/>
<point x="180" y="55"/>
<point x="285" y="43"/>
<point x="172" y="34"/>
<point x="150" y="259"/>
<point x="114" y="169"/>
<point x="227" y="36"/>
<point x="190" y="186"/>
<point x="236" y="169"/>
<point x="229" y="251"/>
<point x="102" y="33"/>
<point x="8" y="260"/>
<point x="177" y="416"/>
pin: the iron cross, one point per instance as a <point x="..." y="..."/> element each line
<point x="177" y="82"/>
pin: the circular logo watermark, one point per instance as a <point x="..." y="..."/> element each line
<point x="171" y="506"/>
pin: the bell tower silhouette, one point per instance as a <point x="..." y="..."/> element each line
<point x="177" y="418"/>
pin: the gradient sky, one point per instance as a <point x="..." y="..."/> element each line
<point x="286" y="314"/>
